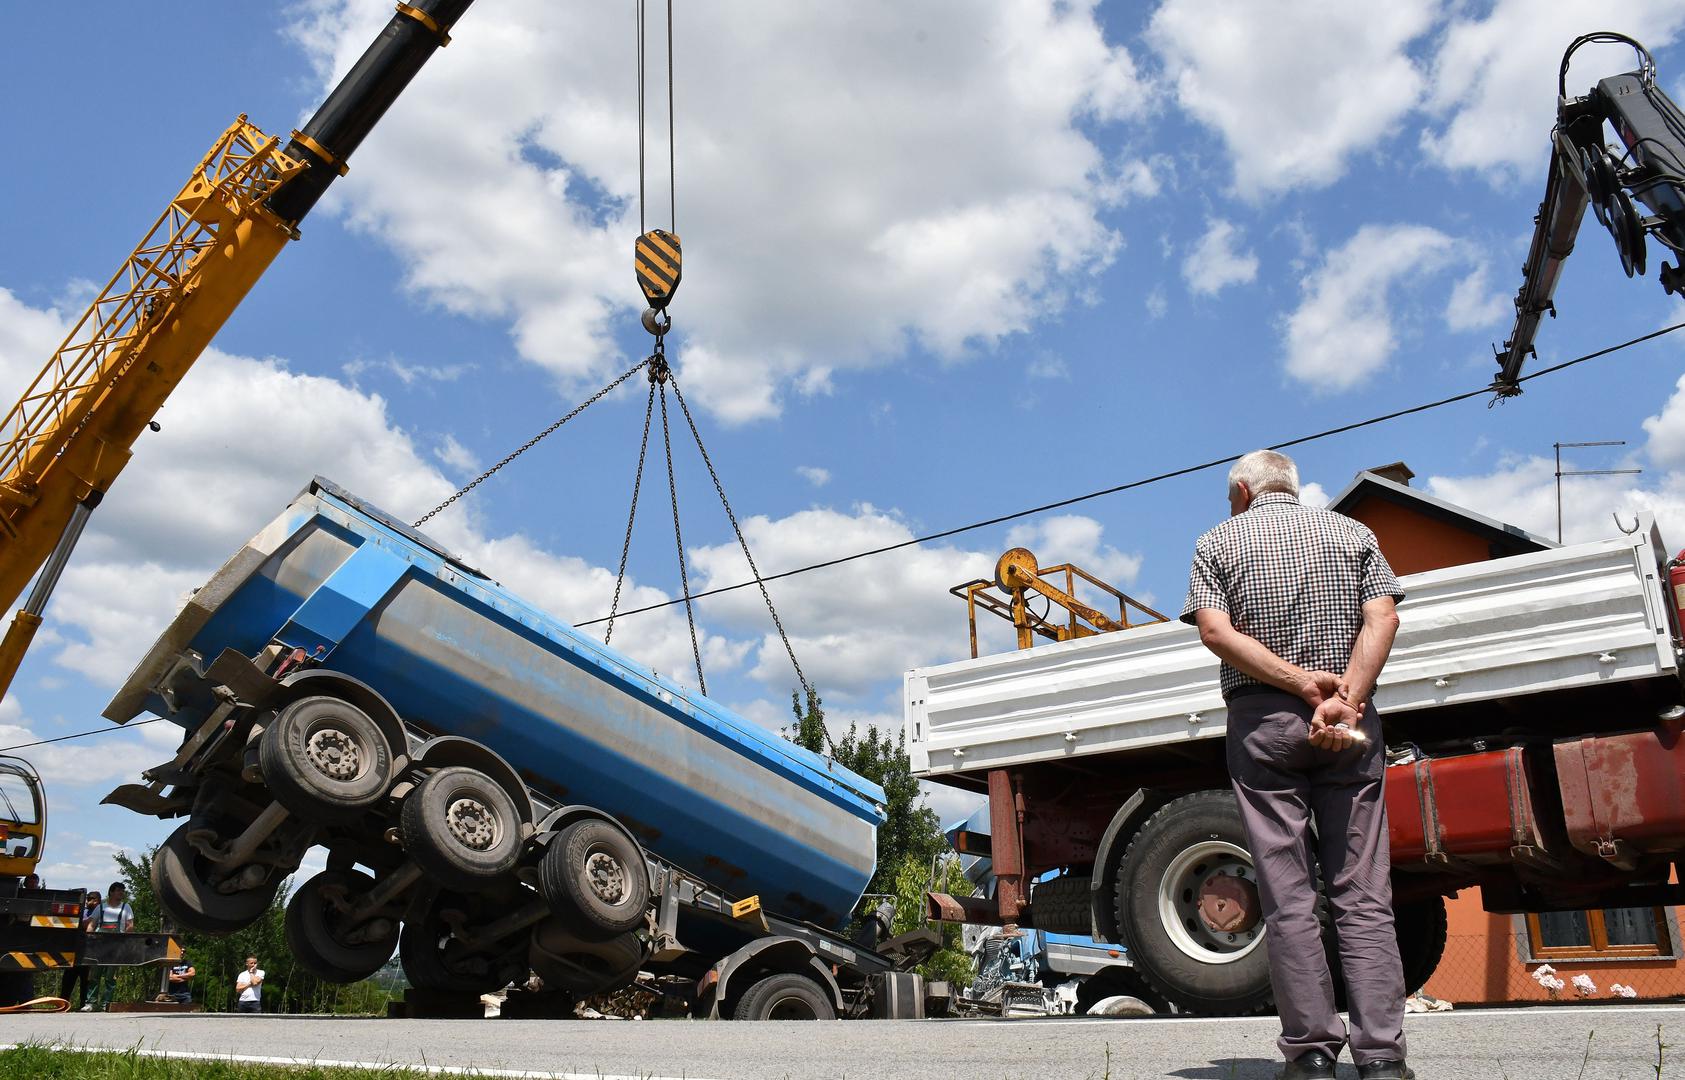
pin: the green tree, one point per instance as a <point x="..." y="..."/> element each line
<point x="913" y="855"/>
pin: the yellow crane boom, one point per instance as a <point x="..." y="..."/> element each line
<point x="72" y="431"/>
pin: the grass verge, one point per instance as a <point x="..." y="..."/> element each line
<point x="48" y="1062"/>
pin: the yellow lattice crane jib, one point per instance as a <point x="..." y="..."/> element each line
<point x="73" y="430"/>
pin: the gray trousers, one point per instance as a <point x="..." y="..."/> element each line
<point x="1283" y="783"/>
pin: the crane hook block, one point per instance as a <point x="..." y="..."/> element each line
<point x="656" y="258"/>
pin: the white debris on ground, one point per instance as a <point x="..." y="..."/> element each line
<point x="1422" y="1003"/>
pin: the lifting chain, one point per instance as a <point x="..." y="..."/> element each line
<point x="534" y="441"/>
<point x="661" y="376"/>
<point x="637" y="486"/>
<point x="743" y="543"/>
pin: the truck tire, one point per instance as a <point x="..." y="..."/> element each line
<point x="462" y="828"/>
<point x="785" y="996"/>
<point x="325" y="760"/>
<point x="1185" y="845"/>
<point x="1421" y="929"/>
<point x="322" y="939"/>
<point x="181" y="881"/>
<point x="582" y="966"/>
<point x="1060" y="906"/>
<point x="595" y="880"/>
<point x="433" y="959"/>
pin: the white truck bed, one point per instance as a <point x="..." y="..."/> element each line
<point x="1569" y="617"/>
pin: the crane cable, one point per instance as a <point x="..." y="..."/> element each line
<point x="1144" y="482"/>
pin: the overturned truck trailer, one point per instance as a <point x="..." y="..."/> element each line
<point x="495" y="791"/>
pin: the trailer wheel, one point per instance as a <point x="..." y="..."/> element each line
<point x="462" y="828"/>
<point x="785" y="996"/>
<point x="595" y="879"/>
<point x="182" y="881"/>
<point x="325" y="941"/>
<point x="1187" y="863"/>
<point x="566" y="961"/>
<point x="1060" y="906"/>
<point x="325" y="760"/>
<point x="1422" y="928"/>
<point x="435" y="959"/>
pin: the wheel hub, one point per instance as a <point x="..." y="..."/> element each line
<point x="472" y="824"/>
<point x="1228" y="903"/>
<point x="606" y="877"/>
<point x="1208" y="902"/>
<point x="334" y="754"/>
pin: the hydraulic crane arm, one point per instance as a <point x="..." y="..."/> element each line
<point x="1585" y="172"/>
<point x="71" y="432"/>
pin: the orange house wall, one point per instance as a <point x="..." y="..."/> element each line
<point x="1483" y="965"/>
<point x="1414" y="542"/>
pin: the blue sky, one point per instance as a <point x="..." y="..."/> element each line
<point x="943" y="261"/>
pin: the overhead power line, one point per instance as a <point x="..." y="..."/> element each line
<point x="80" y="735"/>
<point x="1133" y="484"/>
<point x="1044" y="508"/>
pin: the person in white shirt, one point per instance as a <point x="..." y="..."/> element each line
<point x="114" y="916"/>
<point x="250" y="986"/>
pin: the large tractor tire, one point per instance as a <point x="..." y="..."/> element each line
<point x="1421" y="928"/>
<point x="325" y="760"/>
<point x="595" y="880"/>
<point x="182" y="881"/>
<point x="462" y="828"/>
<point x="1187" y="866"/>
<point x="434" y="959"/>
<point x="785" y="997"/>
<point x="325" y="941"/>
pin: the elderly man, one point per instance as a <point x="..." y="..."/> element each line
<point x="1298" y="604"/>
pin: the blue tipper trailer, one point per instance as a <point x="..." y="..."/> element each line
<point x="341" y="661"/>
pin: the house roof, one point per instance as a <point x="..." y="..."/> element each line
<point x="1368" y="484"/>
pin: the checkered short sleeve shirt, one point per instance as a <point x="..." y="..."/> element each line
<point x="1294" y="577"/>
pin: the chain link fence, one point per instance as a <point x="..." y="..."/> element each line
<point x="1489" y="969"/>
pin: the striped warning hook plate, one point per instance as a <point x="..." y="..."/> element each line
<point x="657" y="260"/>
<point x="34" y="961"/>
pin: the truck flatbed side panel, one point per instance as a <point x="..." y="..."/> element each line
<point x="1572" y="617"/>
<point x="457" y="654"/>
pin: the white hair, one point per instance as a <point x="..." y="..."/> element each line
<point x="1265" y="470"/>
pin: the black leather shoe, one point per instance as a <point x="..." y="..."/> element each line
<point x="1387" y="1069"/>
<point x="1312" y="1066"/>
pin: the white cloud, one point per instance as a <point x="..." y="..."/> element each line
<point x="1295" y="88"/>
<point x="1216" y="263"/>
<point x="456" y="457"/>
<point x="1157" y="303"/>
<point x="1522" y="490"/>
<point x="1494" y="76"/>
<point x="1076" y="539"/>
<point x="407" y="374"/>
<point x="814" y="475"/>
<point x="1666" y="430"/>
<point x="1343" y="331"/>
<point x="853" y="625"/>
<point x="1048" y="366"/>
<point x="950" y="225"/>
<point x="1475" y="304"/>
<point x="1313" y="494"/>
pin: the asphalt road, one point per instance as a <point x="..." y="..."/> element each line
<point x="1540" y="1043"/>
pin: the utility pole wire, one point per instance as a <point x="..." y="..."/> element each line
<point x="1144" y="482"/>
